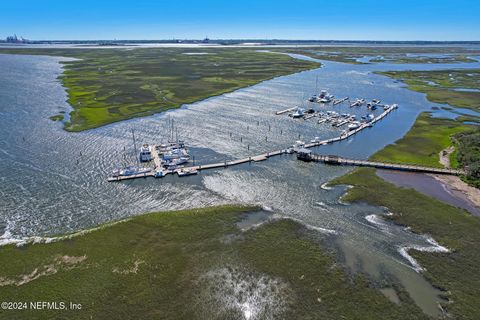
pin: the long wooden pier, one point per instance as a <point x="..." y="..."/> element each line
<point x="257" y="158"/>
<point x="217" y="165"/>
<point x="336" y="160"/>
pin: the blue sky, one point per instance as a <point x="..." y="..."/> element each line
<point x="240" y="19"/>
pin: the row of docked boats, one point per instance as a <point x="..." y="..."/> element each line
<point x="131" y="170"/>
<point x="171" y="157"/>
<point x="338" y="120"/>
<point x="301" y="112"/>
<point x="323" y="97"/>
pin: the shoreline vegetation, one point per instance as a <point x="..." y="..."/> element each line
<point x="423" y="142"/>
<point x="459" y="88"/>
<point x="392" y="54"/>
<point x="109" y="85"/>
<point x="155" y="265"/>
<point x="193" y="264"/>
<point x="429" y="135"/>
<point x="455" y="272"/>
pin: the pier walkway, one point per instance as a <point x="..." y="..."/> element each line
<point x="336" y="160"/>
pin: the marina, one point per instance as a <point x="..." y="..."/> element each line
<point x="169" y="159"/>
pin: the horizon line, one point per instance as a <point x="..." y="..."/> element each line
<point x="239" y="39"/>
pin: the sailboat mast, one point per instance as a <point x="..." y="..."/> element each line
<point x="135" y="146"/>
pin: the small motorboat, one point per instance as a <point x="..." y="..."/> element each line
<point x="132" y="170"/>
<point x="187" y="172"/>
<point x="298" y="145"/>
<point x="354" y="125"/>
<point x="145" y="153"/>
<point x="325" y="97"/>
<point x="299" y="113"/>
<point x="159" y="174"/>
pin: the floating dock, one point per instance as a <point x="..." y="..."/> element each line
<point x="308" y="116"/>
<point x="341" y="123"/>
<point x="335" y="102"/>
<point x="285" y="111"/>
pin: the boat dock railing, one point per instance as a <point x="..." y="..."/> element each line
<point x="336" y="160"/>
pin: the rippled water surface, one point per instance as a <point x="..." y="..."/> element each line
<point x="54" y="182"/>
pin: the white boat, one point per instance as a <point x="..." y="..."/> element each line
<point x="357" y="103"/>
<point x="370" y="117"/>
<point x="177" y="161"/>
<point x="187" y="172"/>
<point x="175" y="154"/>
<point x="146" y="153"/>
<point x="298" y="113"/>
<point x="116" y="173"/>
<point x="132" y="170"/>
<point x="325" y="97"/>
<point x="168" y="147"/>
<point x="315" y="140"/>
<point x="298" y="145"/>
<point x="159" y="174"/>
<point x="354" y="125"/>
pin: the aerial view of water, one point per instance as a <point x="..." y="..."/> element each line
<point x="53" y="181"/>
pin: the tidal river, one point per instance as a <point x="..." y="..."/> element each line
<point x="54" y="182"/>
